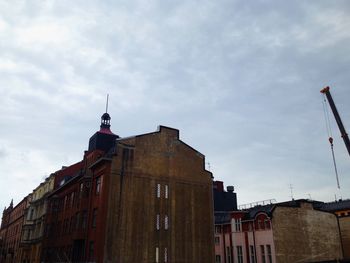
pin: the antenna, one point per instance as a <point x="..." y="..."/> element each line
<point x="208" y="163"/>
<point x="291" y="191"/>
<point x="107" y="103"/>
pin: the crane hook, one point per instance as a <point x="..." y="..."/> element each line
<point x="330" y="139"/>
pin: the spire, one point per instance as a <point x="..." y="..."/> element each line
<point x="107" y="103"/>
<point x="11" y="204"/>
<point x="106" y="120"/>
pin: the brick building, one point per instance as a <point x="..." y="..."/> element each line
<point x="10" y="232"/>
<point x="145" y="198"/>
<point x="160" y="201"/>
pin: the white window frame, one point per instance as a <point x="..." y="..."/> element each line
<point x="158" y="221"/>
<point x="158" y="190"/>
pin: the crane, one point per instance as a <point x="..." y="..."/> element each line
<point x="343" y="133"/>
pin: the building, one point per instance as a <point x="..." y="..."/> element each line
<point x="341" y="209"/>
<point x="10" y="232"/>
<point x="34" y="222"/>
<point x="145" y="198"/>
<point x="225" y="205"/>
<point x="284" y="232"/>
<point x="160" y="201"/>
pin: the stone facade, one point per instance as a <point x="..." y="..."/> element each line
<point x="341" y="208"/>
<point x="302" y="234"/>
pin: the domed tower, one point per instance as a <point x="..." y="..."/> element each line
<point x="104" y="139"/>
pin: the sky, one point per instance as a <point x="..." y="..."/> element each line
<point x="239" y="79"/>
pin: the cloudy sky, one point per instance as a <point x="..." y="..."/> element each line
<point x="239" y="79"/>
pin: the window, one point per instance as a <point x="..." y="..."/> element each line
<point x="157" y="254"/>
<point x="239" y="254"/>
<point x="165" y="255"/>
<point x="217" y="229"/>
<point x="94" y="217"/>
<point x="91" y="250"/>
<point x="217" y="240"/>
<point x="166" y="222"/>
<point x="252" y="254"/>
<point x="158" y="222"/>
<point x="98" y="185"/>
<point x="71" y="224"/>
<point x="267" y="224"/>
<point x="72" y="199"/>
<point x="81" y="190"/>
<point x="65" y="230"/>
<point x="260" y="224"/>
<point x="217" y="259"/>
<point x="263" y="259"/>
<point x="83" y="219"/>
<point x="250" y="227"/>
<point x="65" y="202"/>
<point x="269" y="254"/>
<point x="77" y="222"/>
<point x="31" y="214"/>
<point x="238" y="225"/>
<point x="166" y="192"/>
<point x="228" y="253"/>
<point x="158" y="190"/>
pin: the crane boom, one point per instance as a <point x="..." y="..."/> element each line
<point x="343" y="133"/>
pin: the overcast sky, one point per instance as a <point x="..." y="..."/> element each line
<point x="239" y="79"/>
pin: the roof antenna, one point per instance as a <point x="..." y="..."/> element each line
<point x="107" y="103"/>
<point x="208" y="163"/>
<point x="291" y="191"/>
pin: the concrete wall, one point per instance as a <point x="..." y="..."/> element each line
<point x="141" y="164"/>
<point x="302" y="234"/>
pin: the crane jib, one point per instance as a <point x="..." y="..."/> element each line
<point x="341" y="127"/>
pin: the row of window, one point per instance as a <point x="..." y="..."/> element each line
<point x="165" y="255"/>
<point x="265" y="254"/>
<point x="158" y="223"/>
<point x="70" y="199"/>
<point x="76" y="222"/>
<point x="162" y="192"/>
<point x="159" y="191"/>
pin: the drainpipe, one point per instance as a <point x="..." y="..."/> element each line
<point x="253" y="225"/>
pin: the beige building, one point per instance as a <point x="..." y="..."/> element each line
<point x="341" y="209"/>
<point x="303" y="234"/>
<point x="34" y="222"/>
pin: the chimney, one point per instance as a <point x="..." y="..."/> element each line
<point x="230" y="188"/>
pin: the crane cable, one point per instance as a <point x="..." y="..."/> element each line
<point x="330" y="136"/>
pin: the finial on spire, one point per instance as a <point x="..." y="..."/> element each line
<point x="107" y="104"/>
<point x="105" y="118"/>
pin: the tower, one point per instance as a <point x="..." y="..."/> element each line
<point x="104" y="139"/>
